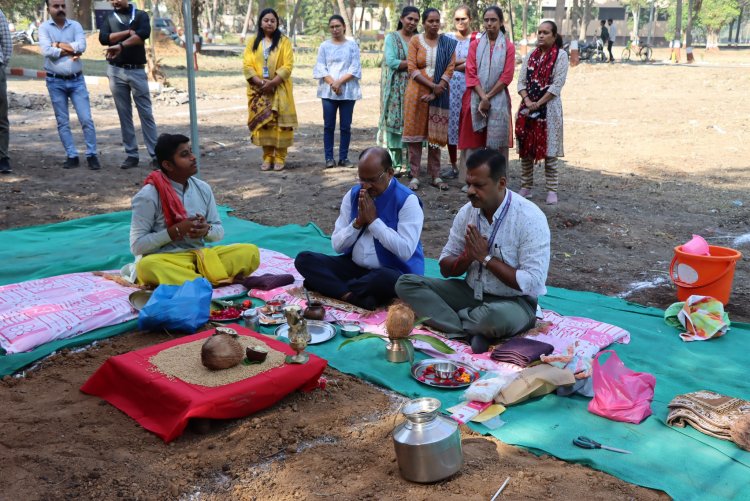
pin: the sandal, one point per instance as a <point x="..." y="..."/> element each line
<point x="266" y="167"/>
<point x="440" y="184"/>
<point x="414" y="184"/>
<point x="278" y="167"/>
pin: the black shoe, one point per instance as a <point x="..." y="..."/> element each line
<point x="345" y="163"/>
<point x="154" y="163"/>
<point x="130" y="163"/>
<point x="479" y="344"/>
<point x="71" y="163"/>
<point x="93" y="162"/>
<point x="330" y="163"/>
<point x="5" y="166"/>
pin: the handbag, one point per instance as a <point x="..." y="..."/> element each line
<point x="181" y="308"/>
<point x="621" y="394"/>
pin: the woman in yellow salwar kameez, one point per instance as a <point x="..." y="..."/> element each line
<point x="272" y="118"/>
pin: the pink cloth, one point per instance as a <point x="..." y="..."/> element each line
<point x="39" y="311"/>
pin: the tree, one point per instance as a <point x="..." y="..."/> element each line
<point x="559" y="13"/>
<point x="714" y="14"/>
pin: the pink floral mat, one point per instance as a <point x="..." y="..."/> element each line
<point x="39" y="311"/>
<point x="587" y="335"/>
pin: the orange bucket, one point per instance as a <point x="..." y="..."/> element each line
<point x="704" y="275"/>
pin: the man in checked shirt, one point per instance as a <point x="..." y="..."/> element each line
<point x="62" y="42"/>
<point x="6" y="49"/>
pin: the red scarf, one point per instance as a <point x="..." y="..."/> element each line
<point x="171" y="205"/>
<point x="531" y="132"/>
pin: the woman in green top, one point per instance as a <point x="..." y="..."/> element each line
<point x="393" y="79"/>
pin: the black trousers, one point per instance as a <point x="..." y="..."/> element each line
<point x="334" y="276"/>
<point x="609" y="48"/>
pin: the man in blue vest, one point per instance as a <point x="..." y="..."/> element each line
<point x="376" y="234"/>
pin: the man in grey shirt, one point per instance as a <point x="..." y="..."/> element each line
<point x="62" y="42"/>
<point x="501" y="241"/>
<point x="174" y="216"/>
<point x="6" y="49"/>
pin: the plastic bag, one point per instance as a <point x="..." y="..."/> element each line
<point x="181" y="308"/>
<point x="487" y="388"/>
<point x="621" y="394"/>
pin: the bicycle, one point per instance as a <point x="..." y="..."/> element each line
<point x="644" y="52"/>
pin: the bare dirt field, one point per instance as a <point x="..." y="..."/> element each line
<point x="654" y="153"/>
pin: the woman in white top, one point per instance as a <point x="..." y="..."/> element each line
<point x="338" y="70"/>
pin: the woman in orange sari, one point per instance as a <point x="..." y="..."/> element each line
<point x="426" y="103"/>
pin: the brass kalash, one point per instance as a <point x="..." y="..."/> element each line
<point x="299" y="337"/>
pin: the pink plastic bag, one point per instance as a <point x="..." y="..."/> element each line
<point x="621" y="394"/>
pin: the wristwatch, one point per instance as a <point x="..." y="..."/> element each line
<point x="486" y="260"/>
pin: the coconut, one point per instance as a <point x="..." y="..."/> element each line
<point x="400" y="321"/>
<point x="256" y="353"/>
<point x="221" y="351"/>
<point x="739" y="430"/>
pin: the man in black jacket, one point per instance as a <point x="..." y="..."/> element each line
<point x="124" y="32"/>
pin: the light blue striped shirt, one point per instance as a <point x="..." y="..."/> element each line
<point x="71" y="33"/>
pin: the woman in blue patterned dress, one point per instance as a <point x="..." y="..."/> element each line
<point x="464" y="36"/>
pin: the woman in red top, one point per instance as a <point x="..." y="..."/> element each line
<point x="485" y="110"/>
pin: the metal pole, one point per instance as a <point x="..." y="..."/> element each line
<point x="194" y="138"/>
<point x="651" y="22"/>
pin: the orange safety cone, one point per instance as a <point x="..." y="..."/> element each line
<point x="574" y="54"/>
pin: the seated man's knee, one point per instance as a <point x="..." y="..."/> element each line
<point x="406" y="283"/>
<point x="145" y="269"/>
<point x="303" y="261"/>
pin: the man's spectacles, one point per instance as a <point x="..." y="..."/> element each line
<point x="461" y="19"/>
<point x="370" y="181"/>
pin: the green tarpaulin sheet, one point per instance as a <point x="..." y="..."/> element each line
<point x="682" y="462"/>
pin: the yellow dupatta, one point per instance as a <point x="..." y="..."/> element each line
<point x="279" y="107"/>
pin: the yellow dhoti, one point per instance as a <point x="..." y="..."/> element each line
<point x="219" y="265"/>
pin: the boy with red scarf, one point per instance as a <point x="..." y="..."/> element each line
<point x="174" y="215"/>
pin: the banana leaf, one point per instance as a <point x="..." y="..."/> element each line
<point x="434" y="342"/>
<point x="366" y="335"/>
<point x="408" y="347"/>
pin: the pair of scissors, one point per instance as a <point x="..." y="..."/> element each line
<point x="587" y="443"/>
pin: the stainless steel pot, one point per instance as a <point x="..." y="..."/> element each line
<point x="428" y="445"/>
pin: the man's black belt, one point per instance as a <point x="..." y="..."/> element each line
<point x="129" y="66"/>
<point x="65" y="77"/>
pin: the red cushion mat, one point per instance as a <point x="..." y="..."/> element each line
<point x="162" y="405"/>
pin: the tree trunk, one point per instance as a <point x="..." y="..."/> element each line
<point x="525" y="20"/>
<point x="510" y="18"/>
<point x="345" y="14"/>
<point x="587" y="4"/>
<point x="248" y="18"/>
<point x="293" y="27"/>
<point x="636" y="21"/>
<point x="739" y="26"/>
<point x="361" y="20"/>
<point x="689" y="27"/>
<point x="212" y="18"/>
<point x="678" y="21"/>
<point x="84" y="14"/>
<point x="559" y="13"/>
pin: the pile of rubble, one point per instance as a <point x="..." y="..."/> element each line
<point x="175" y="97"/>
<point x="27" y="101"/>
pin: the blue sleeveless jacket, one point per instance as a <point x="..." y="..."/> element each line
<point x="388" y="205"/>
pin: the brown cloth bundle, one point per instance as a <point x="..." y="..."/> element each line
<point x="710" y="413"/>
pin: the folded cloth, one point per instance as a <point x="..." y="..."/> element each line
<point x="521" y="351"/>
<point x="702" y="317"/>
<point x="267" y="281"/>
<point x="534" y="382"/>
<point x="707" y="412"/>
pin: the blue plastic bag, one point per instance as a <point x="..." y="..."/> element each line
<point x="181" y="308"/>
